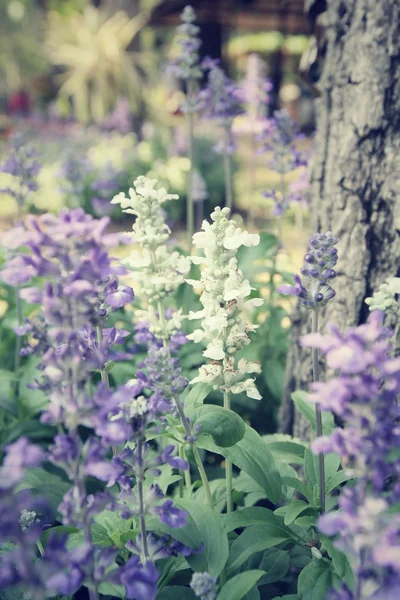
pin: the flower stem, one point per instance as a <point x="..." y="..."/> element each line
<point x="203" y="476"/>
<point x="228" y="174"/>
<point x="103" y="372"/>
<point x="40" y="548"/>
<point x="185" y="423"/>
<point x="17" y="356"/>
<point x="142" y="518"/>
<point x="228" y="465"/>
<point x="93" y="594"/>
<point x="199" y="462"/>
<point x="189" y="198"/>
<point x="318" y="415"/>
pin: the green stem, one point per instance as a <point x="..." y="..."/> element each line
<point x="184" y="421"/>
<point x="40" y="548"/>
<point x="203" y="476"/>
<point x="318" y="415"/>
<point x="181" y="481"/>
<point x="189" y="198"/>
<point x="228" y="466"/>
<point x="93" y="594"/>
<point x="142" y="518"/>
<point x="228" y="173"/>
<point x="17" y="355"/>
<point x="199" y="462"/>
<point x="103" y="372"/>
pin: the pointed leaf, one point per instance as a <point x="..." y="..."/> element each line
<point x="252" y="456"/>
<point x="254" y="539"/>
<point x="237" y="587"/>
<point x="224" y="426"/>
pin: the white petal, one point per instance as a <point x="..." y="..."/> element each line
<point x="214" y="353"/>
<point x="196" y="336"/>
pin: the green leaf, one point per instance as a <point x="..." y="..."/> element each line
<point x="205" y="527"/>
<point x="34" y="400"/>
<point x="255" y="539"/>
<point x="294" y="509"/>
<point x="268" y="245"/>
<point x="47" y="484"/>
<point x="307" y="409"/>
<point x="114" y="526"/>
<point x="340" y="562"/>
<point x="113" y="590"/>
<point x="254" y="515"/>
<point x="224" y="426"/>
<point x="176" y="592"/>
<point x="337" y="479"/>
<point x="274" y="376"/>
<point x="276" y="564"/>
<point x="58" y="529"/>
<point x="196" y="396"/>
<point x="315" y="581"/>
<point x="332" y="463"/>
<point x="7" y="401"/>
<point x="237" y="587"/>
<point x="252" y="456"/>
<point x="32" y="429"/>
<point x="100" y="537"/>
<point x="299" y="486"/>
<point x="287" y="597"/>
<point x="286" y="450"/>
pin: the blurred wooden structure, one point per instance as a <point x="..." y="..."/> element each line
<point x="286" y="16"/>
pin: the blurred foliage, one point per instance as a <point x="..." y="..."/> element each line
<point x="93" y="51"/>
<point x="265" y="43"/>
<point x="21" y="31"/>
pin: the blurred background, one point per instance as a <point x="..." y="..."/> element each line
<point x="86" y="89"/>
<point x="87" y="81"/>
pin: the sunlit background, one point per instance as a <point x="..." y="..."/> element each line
<point x="92" y="77"/>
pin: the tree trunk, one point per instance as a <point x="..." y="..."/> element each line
<point x="355" y="175"/>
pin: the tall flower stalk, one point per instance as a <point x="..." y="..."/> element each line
<point x="186" y="67"/>
<point x="221" y="101"/>
<point x="364" y="396"/>
<point x="21" y="163"/>
<point x="318" y="270"/>
<point x="224" y="327"/>
<point x="161" y="273"/>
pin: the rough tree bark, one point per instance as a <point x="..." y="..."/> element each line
<point x="355" y="175"/>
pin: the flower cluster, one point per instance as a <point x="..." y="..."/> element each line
<point x="318" y="270"/>
<point x="279" y="138"/>
<point x="71" y="252"/>
<point x="161" y="271"/>
<point x="256" y="88"/>
<point x="120" y="119"/>
<point x="74" y="169"/>
<point x="204" y="586"/>
<point x="104" y="187"/>
<point x="223" y="296"/>
<point x="221" y="101"/>
<point x="22" y="165"/>
<point x="186" y="65"/>
<point x="384" y="299"/>
<point x="364" y="396"/>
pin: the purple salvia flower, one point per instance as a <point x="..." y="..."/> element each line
<point x="140" y="581"/>
<point x="21" y="163"/>
<point x="221" y="100"/>
<point x="364" y="396"/>
<point x="280" y="138"/>
<point x="186" y="64"/>
<point x="318" y="270"/>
